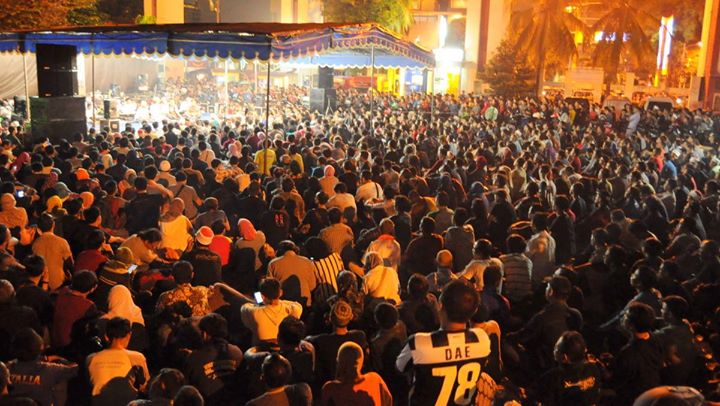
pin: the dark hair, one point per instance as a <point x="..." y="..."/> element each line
<point x="335" y="215"/>
<point x="141" y="184"/>
<point x="418" y="286"/>
<point x="84" y="281"/>
<point x="677" y="306"/>
<point x="483" y="247"/>
<point x="95" y="239"/>
<point x="516" y="244"/>
<point x="459" y="301"/>
<point x="45" y="222"/>
<point x="386" y="315"/>
<point x="214" y="325"/>
<point x="166" y="384"/>
<point x="91" y="214"/>
<point x="561" y="287"/>
<point x="276" y="371"/>
<point x="427" y="225"/>
<point x="316" y="248"/>
<point x="540" y="221"/>
<point x="182" y="272"/>
<point x="34" y="265"/>
<point x="646" y="276"/>
<point x="640" y="317"/>
<point x="291" y="331"/>
<point x="188" y="396"/>
<point x="270" y="288"/>
<point x="117" y="327"/>
<point x="27" y="345"/>
<point x="572" y="345"/>
<point x="150" y="235"/>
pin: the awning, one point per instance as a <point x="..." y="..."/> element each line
<point x="338" y="45"/>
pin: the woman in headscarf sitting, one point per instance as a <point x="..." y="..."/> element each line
<point x="11" y="215"/>
<point x="176" y="229"/>
<point x="120" y="304"/>
<point x="380" y="281"/>
<point x="250" y="238"/>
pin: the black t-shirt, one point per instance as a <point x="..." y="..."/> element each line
<point x="326" y="349"/>
<point x="571" y="385"/>
<point x="206" y="264"/>
<point x="637" y="368"/>
<point x="209" y="367"/>
<point x="143" y="212"/>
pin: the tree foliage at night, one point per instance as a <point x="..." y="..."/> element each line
<point x="32" y="14"/>
<point x="393" y="14"/>
<point x="545" y="32"/>
<point x="508" y="72"/>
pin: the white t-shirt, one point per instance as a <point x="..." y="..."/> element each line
<point x="108" y="364"/>
<point x="368" y="191"/>
<point x="264" y="320"/>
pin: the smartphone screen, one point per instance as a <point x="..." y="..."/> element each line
<point x="258" y="297"/>
<point x="132" y="268"/>
<point x="21" y="193"/>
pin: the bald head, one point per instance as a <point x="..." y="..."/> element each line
<point x="6" y="291"/>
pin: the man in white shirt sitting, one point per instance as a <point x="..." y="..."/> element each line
<point x="264" y="318"/>
<point x="368" y="191"/>
<point x="116" y="361"/>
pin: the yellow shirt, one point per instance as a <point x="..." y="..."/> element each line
<point x="264" y="159"/>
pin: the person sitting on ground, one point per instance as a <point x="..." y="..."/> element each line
<point x="577" y="379"/>
<point x="444" y="273"/>
<point x="276" y="374"/>
<point x="35" y="376"/>
<point x="264" y="318"/>
<point x="351" y="386"/>
<point x="195" y="296"/>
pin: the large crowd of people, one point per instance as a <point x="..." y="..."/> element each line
<point x="415" y="250"/>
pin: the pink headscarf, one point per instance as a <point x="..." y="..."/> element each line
<point x="20" y="161"/>
<point x="247" y="230"/>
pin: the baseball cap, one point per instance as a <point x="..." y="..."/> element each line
<point x="204" y="235"/>
<point x="341" y="314"/>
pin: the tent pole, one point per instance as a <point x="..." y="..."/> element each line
<point x="227" y="93"/>
<point x="267" y="100"/>
<point x="93" y="90"/>
<point x="27" y="90"/>
<point x="372" y="79"/>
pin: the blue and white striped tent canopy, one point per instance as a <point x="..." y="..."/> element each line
<point x="329" y="44"/>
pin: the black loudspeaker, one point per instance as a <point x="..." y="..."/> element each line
<point x="322" y="99"/>
<point x="325" y="77"/>
<point x="57" y="70"/>
<point x="113" y="125"/>
<point x="110" y="109"/>
<point x="57" y="117"/>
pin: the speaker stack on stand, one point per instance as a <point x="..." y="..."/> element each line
<point x="324" y="97"/>
<point x="58" y="112"/>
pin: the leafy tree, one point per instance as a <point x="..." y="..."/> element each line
<point x="393" y="14"/>
<point x="120" y="11"/>
<point x="508" y="72"/>
<point x="545" y="32"/>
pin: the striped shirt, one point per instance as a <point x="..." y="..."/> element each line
<point x="446" y="366"/>
<point x="518" y="273"/>
<point x="326" y="272"/>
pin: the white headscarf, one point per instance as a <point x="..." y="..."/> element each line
<point x="120" y="304"/>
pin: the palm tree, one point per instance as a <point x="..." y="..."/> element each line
<point x="544" y="31"/>
<point x="624" y="29"/>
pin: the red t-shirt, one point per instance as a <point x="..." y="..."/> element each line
<point x="69" y="308"/>
<point x="90" y="260"/>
